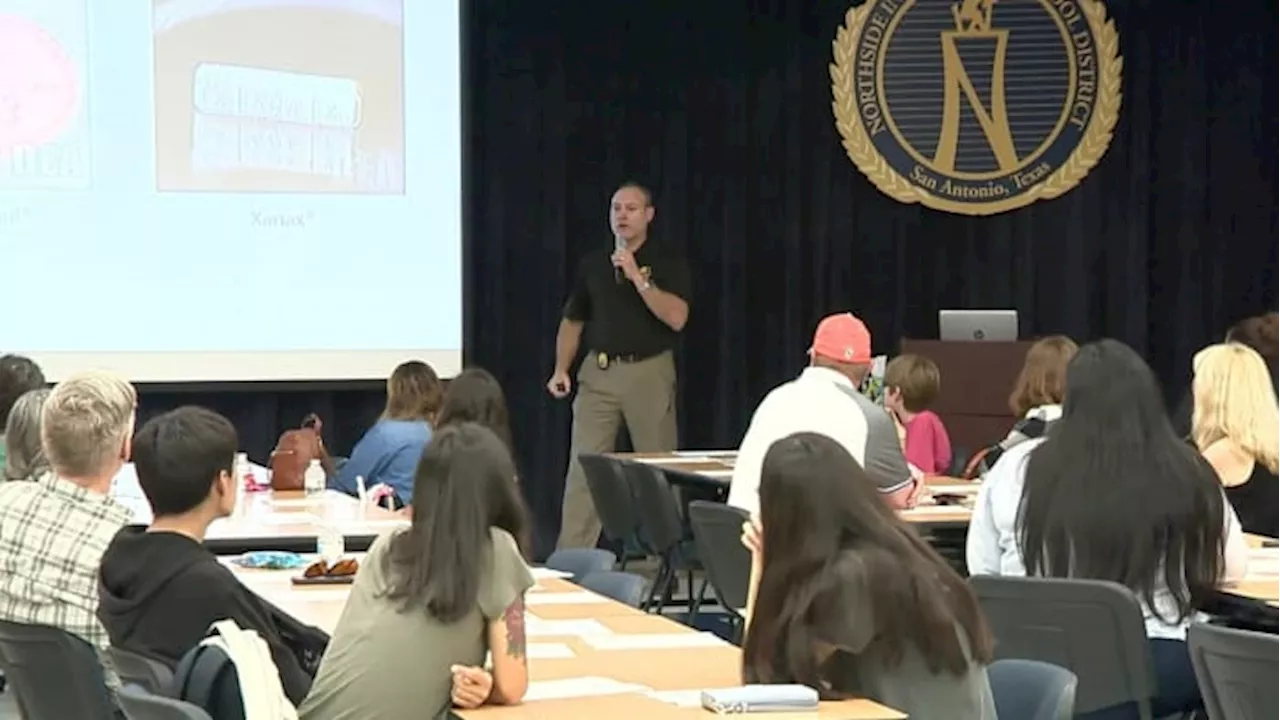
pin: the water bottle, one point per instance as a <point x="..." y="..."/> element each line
<point x="313" y="479"/>
<point x="330" y="544"/>
<point x="241" y="469"/>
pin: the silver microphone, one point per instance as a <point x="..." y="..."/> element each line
<point x="619" y="244"/>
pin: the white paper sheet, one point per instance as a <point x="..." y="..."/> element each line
<point x="542" y="651"/>
<point x="541" y="573"/>
<point x="579" y="687"/>
<point x="716" y="454"/>
<point x="653" y="642"/>
<point x="679" y="698"/>
<point x="537" y="627"/>
<point x="675" y="459"/>
<point x="581" y="597"/>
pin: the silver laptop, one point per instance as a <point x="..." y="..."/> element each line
<point x="984" y="325"/>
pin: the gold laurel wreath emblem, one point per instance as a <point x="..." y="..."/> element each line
<point x="1092" y="146"/>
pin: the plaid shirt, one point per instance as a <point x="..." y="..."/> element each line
<point x="52" y="536"/>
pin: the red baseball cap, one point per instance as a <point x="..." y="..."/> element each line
<point x="843" y="338"/>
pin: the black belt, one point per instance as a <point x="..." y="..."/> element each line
<point x="604" y="359"/>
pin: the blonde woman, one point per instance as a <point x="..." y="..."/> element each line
<point x="1236" y="426"/>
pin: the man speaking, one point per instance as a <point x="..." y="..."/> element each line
<point x="627" y="306"/>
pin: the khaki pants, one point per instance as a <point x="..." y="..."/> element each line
<point x="643" y="394"/>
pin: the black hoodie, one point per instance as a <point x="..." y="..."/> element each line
<point x="159" y="593"/>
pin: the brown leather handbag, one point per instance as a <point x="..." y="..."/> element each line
<point x="294" y="452"/>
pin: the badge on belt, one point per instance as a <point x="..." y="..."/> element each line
<point x="602" y="361"/>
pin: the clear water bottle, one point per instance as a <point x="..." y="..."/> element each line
<point x="313" y="479"/>
<point x="330" y="544"/>
<point x="241" y="469"/>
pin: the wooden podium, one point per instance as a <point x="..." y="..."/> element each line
<point x="977" y="378"/>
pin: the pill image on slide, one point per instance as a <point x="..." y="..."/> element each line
<point x="43" y="142"/>
<point x="276" y="95"/>
<point x="250" y="118"/>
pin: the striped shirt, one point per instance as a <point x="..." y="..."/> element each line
<point x="52" y="536"/>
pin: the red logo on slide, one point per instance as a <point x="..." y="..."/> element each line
<point x="38" y="85"/>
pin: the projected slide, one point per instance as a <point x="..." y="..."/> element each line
<point x="232" y="189"/>
<point x="44" y="133"/>
<point x="248" y="107"/>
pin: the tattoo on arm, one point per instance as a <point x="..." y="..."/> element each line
<point x="513" y="618"/>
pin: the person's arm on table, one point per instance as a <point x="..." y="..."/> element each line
<point x="508" y="680"/>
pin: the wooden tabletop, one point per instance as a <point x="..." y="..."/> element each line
<point x="717" y="465"/>
<point x="292" y="521"/>
<point x="713" y="665"/>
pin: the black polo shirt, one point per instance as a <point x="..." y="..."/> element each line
<point x="617" y="322"/>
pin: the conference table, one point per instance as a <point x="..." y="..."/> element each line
<point x="589" y="656"/>
<point x="942" y="507"/>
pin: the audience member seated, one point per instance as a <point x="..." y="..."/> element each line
<point x="431" y="599"/>
<point x="475" y="396"/>
<point x="1262" y="333"/>
<point x="160" y="589"/>
<point x="1037" y="395"/>
<point x="388" y="453"/>
<point x="911" y="384"/>
<point x="25" y="457"/>
<point x="54" y="529"/>
<point x="1236" y="425"/>
<point x="1113" y="494"/>
<point x="824" y="399"/>
<point x="847" y="599"/>
<point x="18" y="375"/>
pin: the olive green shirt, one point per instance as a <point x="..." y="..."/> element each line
<point x="390" y="664"/>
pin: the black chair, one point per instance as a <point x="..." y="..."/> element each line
<point x="1236" y="671"/>
<point x="140" y="704"/>
<point x="53" y="674"/>
<point x="717" y="533"/>
<point x="662" y="530"/>
<point x="1089" y="627"/>
<point x="626" y="588"/>
<point x="580" y="562"/>
<point x="615" y="505"/>
<point x="151" y="674"/>
<point x="1031" y="690"/>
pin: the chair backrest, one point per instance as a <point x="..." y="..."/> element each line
<point x="1090" y="627"/>
<point x="581" y="562"/>
<point x="717" y="533"/>
<point x="149" y="673"/>
<point x="1236" y="671"/>
<point x="140" y="704"/>
<point x="661" y="526"/>
<point x="611" y="494"/>
<point x="626" y="588"/>
<point x="53" y="673"/>
<point x="1032" y="690"/>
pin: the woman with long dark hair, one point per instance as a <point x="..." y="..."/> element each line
<point x="430" y="600"/>
<point x="476" y="396"/>
<point x="1113" y="494"/>
<point x="849" y="600"/>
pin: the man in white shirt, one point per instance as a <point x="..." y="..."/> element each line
<point x="824" y="399"/>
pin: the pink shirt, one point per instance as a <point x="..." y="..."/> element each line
<point x="927" y="445"/>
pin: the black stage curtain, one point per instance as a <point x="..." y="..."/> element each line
<point x="724" y="108"/>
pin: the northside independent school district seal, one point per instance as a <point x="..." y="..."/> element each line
<point x="976" y="106"/>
